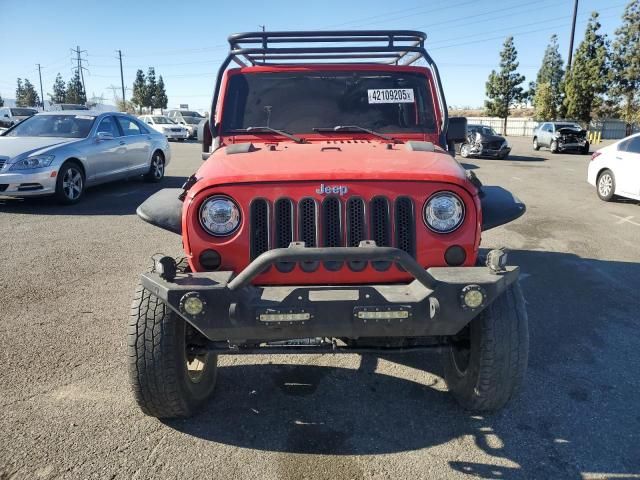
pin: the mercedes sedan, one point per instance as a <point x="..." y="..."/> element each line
<point x="62" y="153"/>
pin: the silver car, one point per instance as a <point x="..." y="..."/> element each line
<point x="62" y="153"/>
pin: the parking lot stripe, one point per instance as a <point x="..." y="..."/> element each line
<point x="625" y="220"/>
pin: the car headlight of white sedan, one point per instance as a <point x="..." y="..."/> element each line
<point x="37" y="161"/>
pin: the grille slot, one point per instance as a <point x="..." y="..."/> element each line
<point x="259" y="227"/>
<point x="356" y="229"/>
<point x="380" y="228"/>
<point x="405" y="225"/>
<point x="307" y="229"/>
<point x="283" y="224"/>
<point x="332" y="228"/>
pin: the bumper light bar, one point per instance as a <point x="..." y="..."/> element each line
<point x="285" y="317"/>
<point x="382" y="313"/>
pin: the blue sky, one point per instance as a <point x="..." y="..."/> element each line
<point x="186" y="41"/>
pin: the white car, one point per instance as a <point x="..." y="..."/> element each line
<point x="166" y="126"/>
<point x="615" y="169"/>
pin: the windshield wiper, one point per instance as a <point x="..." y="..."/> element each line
<point x="354" y="128"/>
<point x="266" y="129"/>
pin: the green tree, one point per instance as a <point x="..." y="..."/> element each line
<point x="625" y="64"/>
<point x="19" y="93"/>
<point x="1" y="101"/>
<point x="547" y="103"/>
<point x="588" y="75"/>
<point x="59" y="90"/>
<point x="75" y="91"/>
<point x="503" y="87"/>
<point x="150" y="89"/>
<point x="161" y="100"/>
<point x="138" y="96"/>
<point x="26" y="95"/>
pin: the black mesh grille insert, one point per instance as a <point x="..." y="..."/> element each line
<point x="405" y="225"/>
<point x="307" y="222"/>
<point x="356" y="227"/>
<point x="259" y="227"/>
<point x="380" y="231"/>
<point x="331" y="222"/>
<point x="283" y="211"/>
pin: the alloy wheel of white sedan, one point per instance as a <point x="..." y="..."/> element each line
<point x="606" y="186"/>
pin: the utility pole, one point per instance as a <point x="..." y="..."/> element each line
<point x="80" y="68"/>
<point x="121" y="76"/>
<point x="573" y="32"/>
<point x="41" y="94"/>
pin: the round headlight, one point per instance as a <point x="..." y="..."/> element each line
<point x="219" y="216"/>
<point x="443" y="212"/>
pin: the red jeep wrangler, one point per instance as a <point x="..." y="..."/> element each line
<point x="330" y="216"/>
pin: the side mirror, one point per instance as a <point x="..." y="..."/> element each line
<point x="457" y="131"/>
<point x="6" y="115"/>
<point x="102" y="136"/>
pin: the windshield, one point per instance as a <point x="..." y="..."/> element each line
<point x="298" y="102"/>
<point x="22" y="112"/>
<point x="68" y="126"/>
<point x="192" y="120"/>
<point x="482" y="130"/>
<point x="190" y="113"/>
<point x="162" y="120"/>
<point x="567" y="125"/>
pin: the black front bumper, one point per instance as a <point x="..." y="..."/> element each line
<point x="241" y="313"/>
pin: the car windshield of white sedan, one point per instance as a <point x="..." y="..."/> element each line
<point x="67" y="126"/>
<point x="192" y="120"/>
<point x="163" y="121"/>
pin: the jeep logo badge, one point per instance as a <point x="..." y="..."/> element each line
<point x="328" y="189"/>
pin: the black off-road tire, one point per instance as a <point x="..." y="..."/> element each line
<point x="158" y="373"/>
<point x="498" y="350"/>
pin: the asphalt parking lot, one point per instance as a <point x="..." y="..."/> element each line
<point x="66" y="412"/>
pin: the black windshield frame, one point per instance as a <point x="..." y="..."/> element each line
<point x="299" y="101"/>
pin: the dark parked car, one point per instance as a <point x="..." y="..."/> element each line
<point x="483" y="141"/>
<point x="561" y="137"/>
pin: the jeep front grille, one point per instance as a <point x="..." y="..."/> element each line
<point x="333" y="222"/>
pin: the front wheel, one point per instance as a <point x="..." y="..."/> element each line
<point x="553" y="147"/>
<point x="486" y="362"/>
<point x="167" y="380"/>
<point x="465" y="150"/>
<point x="606" y="186"/>
<point x="156" y="168"/>
<point x="70" y="183"/>
<point x="585" y="149"/>
<point x="536" y="145"/>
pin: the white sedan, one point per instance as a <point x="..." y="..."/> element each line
<point x="615" y="169"/>
<point x="166" y="126"/>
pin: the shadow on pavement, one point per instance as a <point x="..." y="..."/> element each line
<point x="577" y="412"/>
<point x="117" y="198"/>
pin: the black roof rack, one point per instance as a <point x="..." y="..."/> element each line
<point x="374" y="46"/>
<point x="394" y="47"/>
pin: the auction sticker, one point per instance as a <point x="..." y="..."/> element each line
<point x="390" y="95"/>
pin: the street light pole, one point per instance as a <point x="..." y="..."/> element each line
<point x="573" y="32"/>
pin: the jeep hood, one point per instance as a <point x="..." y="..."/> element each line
<point x="328" y="161"/>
